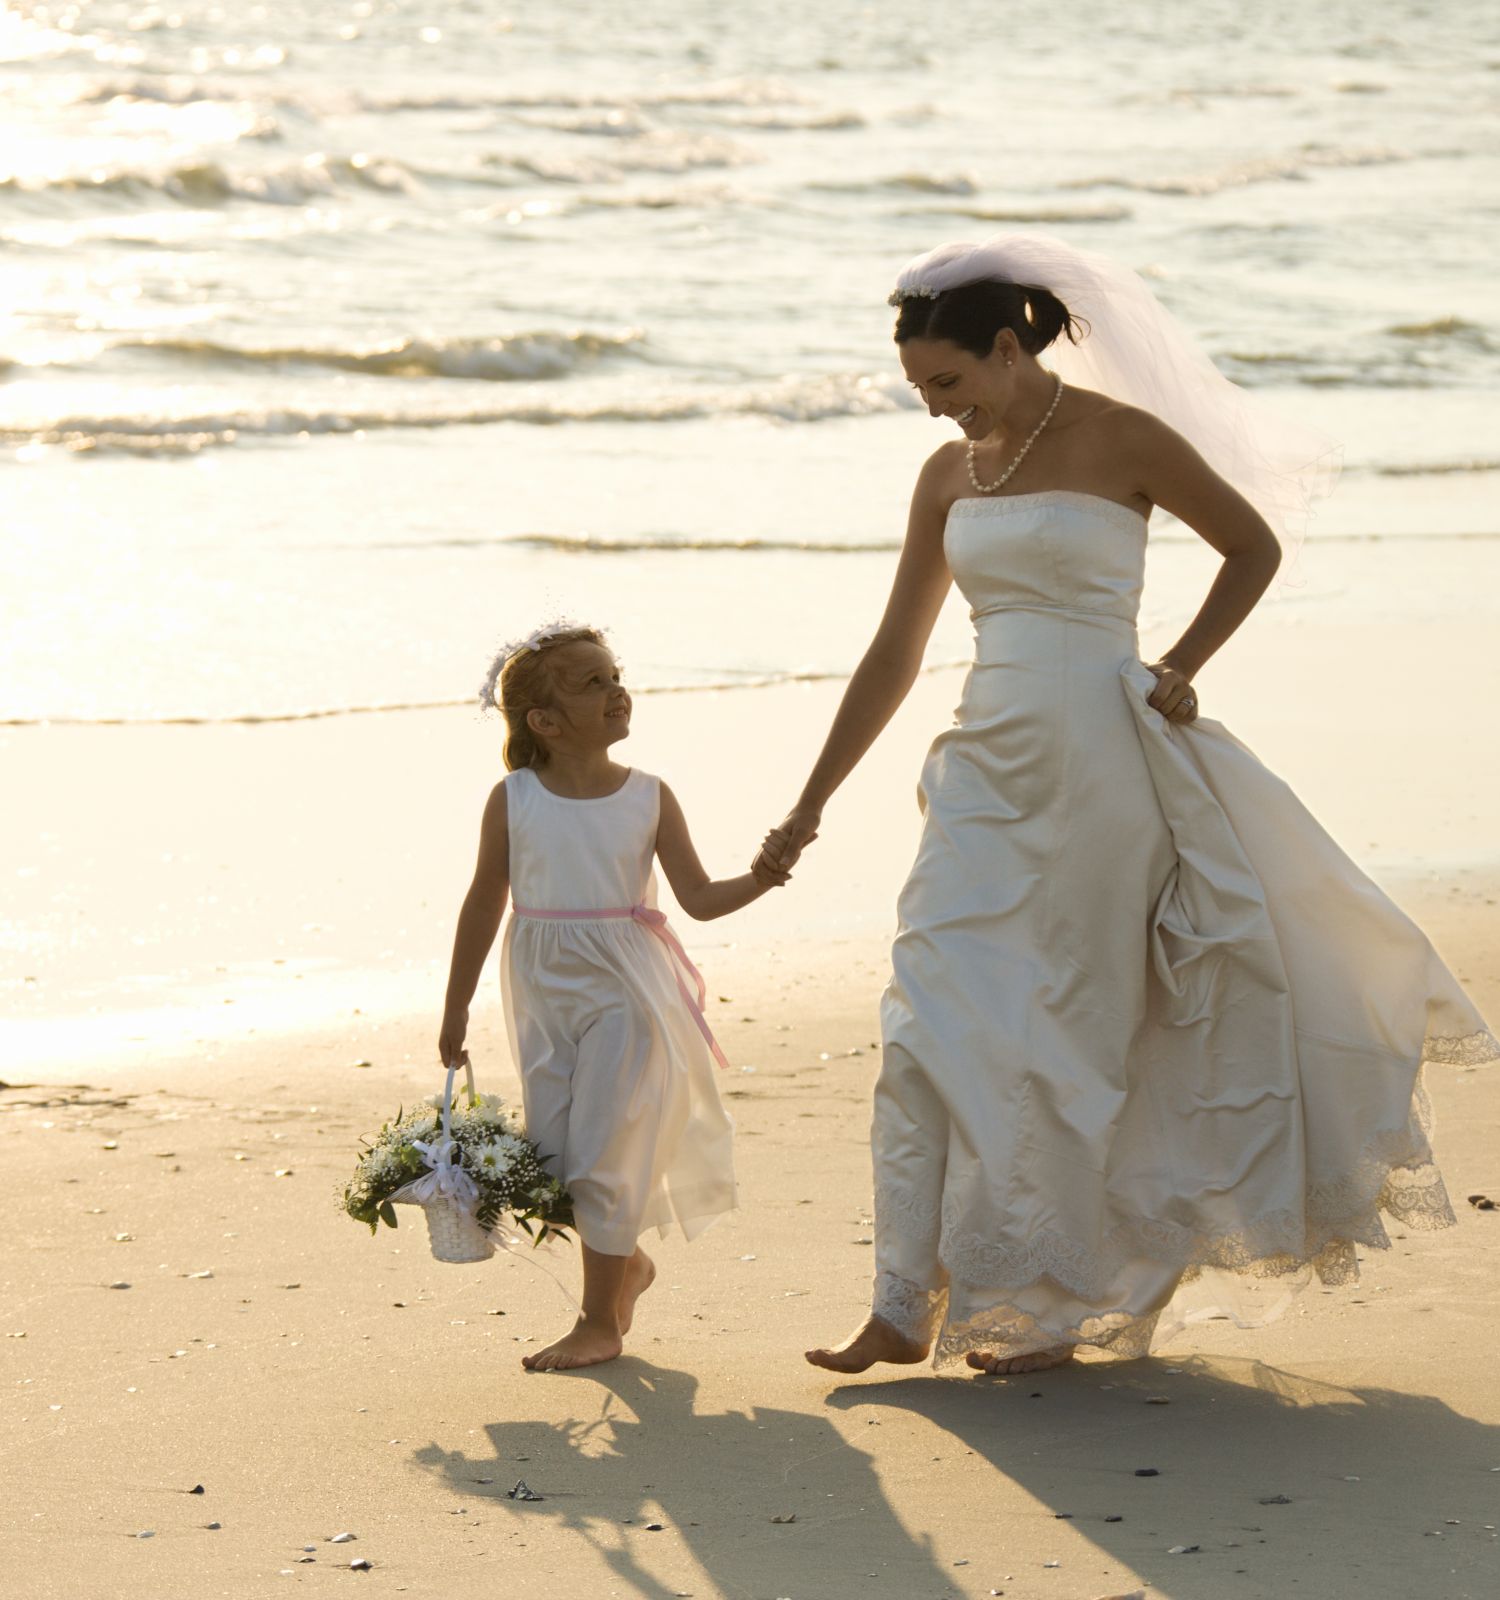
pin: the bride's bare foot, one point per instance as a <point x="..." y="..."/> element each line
<point x="640" y="1274"/>
<point x="876" y="1341"/>
<point x="1032" y="1361"/>
<point x="587" y="1345"/>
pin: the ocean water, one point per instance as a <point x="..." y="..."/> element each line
<point x="340" y="342"/>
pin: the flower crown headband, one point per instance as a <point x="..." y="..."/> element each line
<point x="538" y="639"/>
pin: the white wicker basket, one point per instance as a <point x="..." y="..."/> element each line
<point x="454" y="1234"/>
<point x="452" y="1230"/>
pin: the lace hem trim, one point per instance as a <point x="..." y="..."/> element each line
<point x="1462" y="1050"/>
<point x="1395" y="1174"/>
<point x="914" y="1313"/>
<point x="1006" y="1331"/>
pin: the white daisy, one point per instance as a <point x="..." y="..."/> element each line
<point x="493" y="1160"/>
<point x="487" y="1108"/>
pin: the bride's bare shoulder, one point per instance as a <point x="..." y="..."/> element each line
<point x="1089" y="408"/>
<point x="1116" y="429"/>
<point x="945" y="458"/>
<point x="942" y="478"/>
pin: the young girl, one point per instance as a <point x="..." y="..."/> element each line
<point x="602" y="1005"/>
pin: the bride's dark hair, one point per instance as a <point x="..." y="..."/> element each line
<point x="973" y="313"/>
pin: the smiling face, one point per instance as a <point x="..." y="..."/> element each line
<point x="591" y="706"/>
<point x="974" y="391"/>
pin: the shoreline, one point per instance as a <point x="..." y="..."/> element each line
<point x="169" y="879"/>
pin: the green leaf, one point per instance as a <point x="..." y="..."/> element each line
<point x="387" y="1215"/>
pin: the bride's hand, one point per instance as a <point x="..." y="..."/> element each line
<point x="766" y="873"/>
<point x="785" y="842"/>
<point x="1174" y="695"/>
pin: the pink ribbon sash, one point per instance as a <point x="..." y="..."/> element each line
<point x="655" y="923"/>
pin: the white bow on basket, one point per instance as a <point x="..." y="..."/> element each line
<point x="447" y="1194"/>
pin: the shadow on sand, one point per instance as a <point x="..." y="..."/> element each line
<point x="715" y="1482"/>
<point x="1386" y="1493"/>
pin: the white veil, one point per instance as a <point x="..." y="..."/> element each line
<point x="1135" y="351"/>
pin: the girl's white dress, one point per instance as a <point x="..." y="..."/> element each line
<point x="617" y="1077"/>
<point x="1153" y="1043"/>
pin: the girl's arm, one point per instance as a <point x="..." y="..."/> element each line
<point x="478" y="923"/>
<point x="702" y="897"/>
<point x="888" y="668"/>
<point x="1175" y="477"/>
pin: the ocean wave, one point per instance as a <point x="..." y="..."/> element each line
<point x="636" y="544"/>
<point x="902" y="183"/>
<point x="1294" y="168"/>
<point x="239" y="117"/>
<point x="660" y="150"/>
<point x="1171" y="532"/>
<point x="1053" y="215"/>
<point x="794" y="400"/>
<point x="601" y="122"/>
<point x="706" y="196"/>
<point x="726" y="678"/>
<point x="208" y="183"/>
<point x="1422" y="469"/>
<point x="1378" y="370"/>
<point x="729" y="92"/>
<point x="799" y="122"/>
<point x="1456" y="329"/>
<point x="628" y="119"/>
<point x="177" y="88"/>
<point x="511" y="358"/>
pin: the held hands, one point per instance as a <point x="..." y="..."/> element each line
<point x="767" y="876"/>
<point x="784" y="843"/>
<point x="1174" y="695"/>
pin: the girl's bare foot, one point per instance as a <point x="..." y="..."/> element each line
<point x="640" y="1274"/>
<point x="587" y="1345"/>
<point x="876" y="1341"/>
<point x="1032" y="1361"/>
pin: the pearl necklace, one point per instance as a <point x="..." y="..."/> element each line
<point x="1005" y="477"/>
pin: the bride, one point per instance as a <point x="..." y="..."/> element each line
<point x="1152" y="1044"/>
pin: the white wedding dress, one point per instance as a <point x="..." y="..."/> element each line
<point x="1152" y="1043"/>
<point x="617" y="1074"/>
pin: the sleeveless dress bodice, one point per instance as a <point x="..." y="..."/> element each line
<point x="1049" y="552"/>
<point x="583" y="855"/>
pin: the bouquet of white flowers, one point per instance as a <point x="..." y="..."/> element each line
<point x="467" y="1165"/>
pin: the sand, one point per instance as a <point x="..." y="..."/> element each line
<point x="236" y="940"/>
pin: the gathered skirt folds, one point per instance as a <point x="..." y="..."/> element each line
<point x="1152" y="1043"/>
<point x="617" y="1080"/>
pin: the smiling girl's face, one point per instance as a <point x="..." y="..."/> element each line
<point x="590" y="702"/>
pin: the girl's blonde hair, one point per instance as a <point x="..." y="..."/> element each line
<point x="523" y="679"/>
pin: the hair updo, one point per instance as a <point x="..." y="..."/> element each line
<point x="528" y="682"/>
<point x="971" y="314"/>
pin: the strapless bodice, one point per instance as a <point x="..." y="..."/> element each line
<point x="1054" y="551"/>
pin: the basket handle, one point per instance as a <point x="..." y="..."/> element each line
<point x="460" y="1060"/>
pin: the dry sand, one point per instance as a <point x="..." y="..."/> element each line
<point x="316" y="1381"/>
